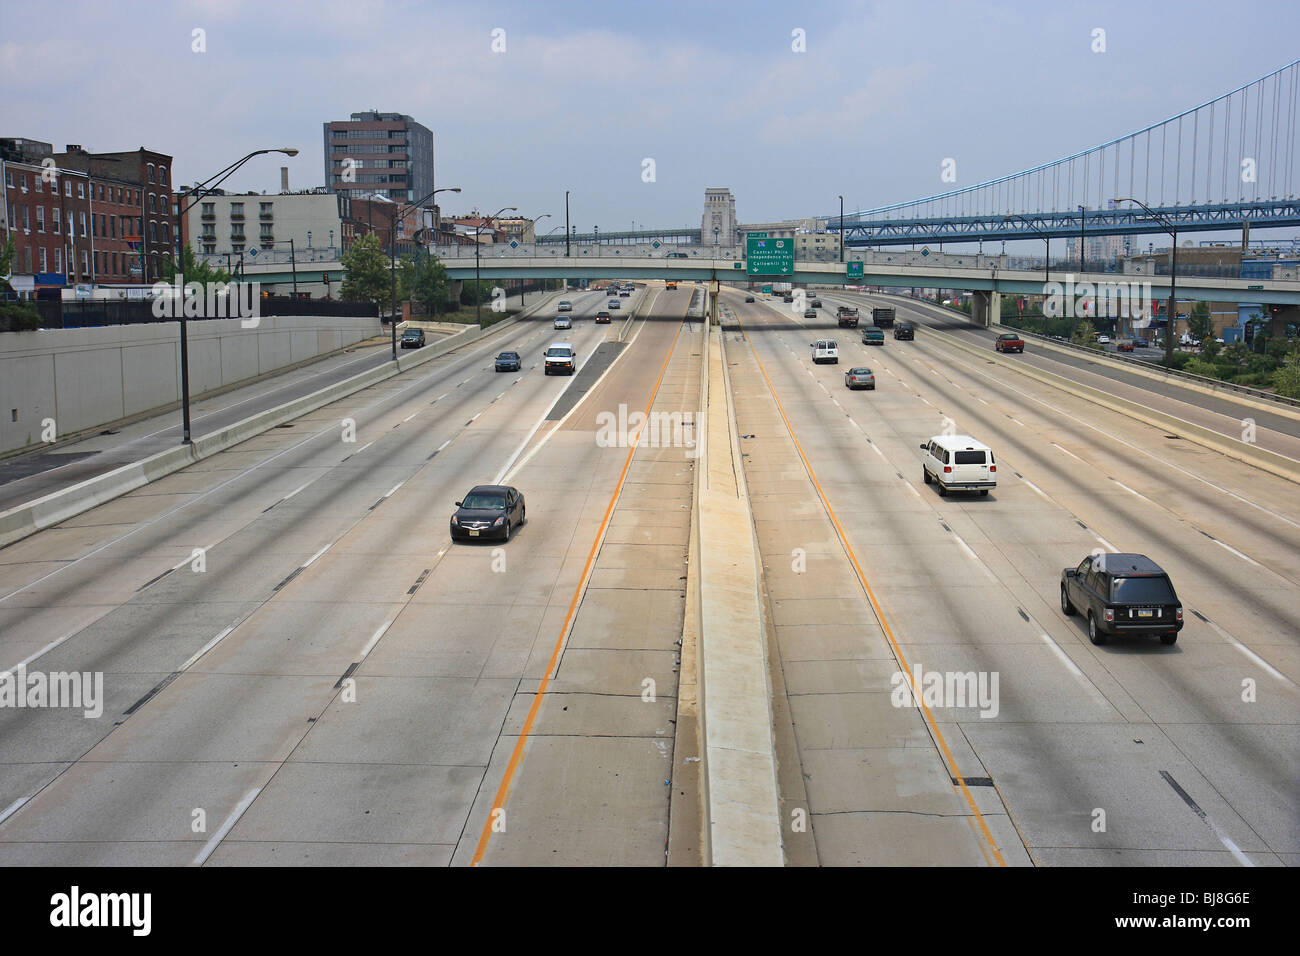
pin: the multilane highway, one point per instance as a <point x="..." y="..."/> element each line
<point x="330" y="681"/>
<point x="1078" y="761"/>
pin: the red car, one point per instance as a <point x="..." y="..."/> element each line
<point x="602" y="317"/>
<point x="1124" y="345"/>
<point x="1009" y="342"/>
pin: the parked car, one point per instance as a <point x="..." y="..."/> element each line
<point x="856" y="378"/>
<point x="1103" y="340"/>
<point x="602" y="317"/>
<point x="825" y="350"/>
<point x="1009" y="342"/>
<point x="958" y="463"/>
<point x="488" y="511"/>
<point x="873" y="336"/>
<point x="560" y="357"/>
<point x="1122" y="594"/>
<point x="563" y="322"/>
<point x="412" y="338"/>
<point x="508" y="362"/>
<point x="1124" y="345"/>
<point x="905" y="330"/>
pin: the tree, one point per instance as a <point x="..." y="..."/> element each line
<point x="366" y="275"/>
<point x="425" y="281"/>
<point x="194" y="269"/>
<point x="1286" y="380"/>
<point x="1083" y="335"/>
<point x="1200" y="325"/>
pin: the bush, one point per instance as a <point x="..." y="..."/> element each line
<point x="19" y="317"/>
<point x="1198" y="366"/>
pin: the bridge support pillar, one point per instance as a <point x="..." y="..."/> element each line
<point x="986" y="308"/>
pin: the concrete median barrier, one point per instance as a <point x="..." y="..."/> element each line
<point x="739" y="777"/>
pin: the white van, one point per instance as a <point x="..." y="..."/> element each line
<point x="825" y="350"/>
<point x="959" y="463"/>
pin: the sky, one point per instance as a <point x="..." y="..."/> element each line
<point x="528" y="99"/>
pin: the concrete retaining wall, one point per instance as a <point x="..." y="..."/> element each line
<point x="32" y="516"/>
<point x="86" y="378"/>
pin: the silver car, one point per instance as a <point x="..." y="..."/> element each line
<point x="563" y="322"/>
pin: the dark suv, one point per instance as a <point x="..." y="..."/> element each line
<point x="1122" y="594"/>
<point x="412" y="338"/>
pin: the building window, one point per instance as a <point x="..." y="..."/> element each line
<point x="83" y="223"/>
<point x="81" y="190"/>
<point x="67" y="188"/>
<point x="27" y="259"/>
<point x="24" y="182"/>
<point x="27" y="226"/>
<point x="152" y="209"/>
<point x="162" y="175"/>
<point x="153" y="232"/>
<point x="166" y="233"/>
<point x="85" y="262"/>
<point x="40" y="220"/>
<point x="44" y="263"/>
<point x="151" y="172"/>
<point x="112" y="227"/>
<point x="58" y="259"/>
<point x="9" y="178"/>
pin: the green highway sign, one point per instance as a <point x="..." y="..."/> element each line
<point x="769" y="257"/>
<point x="767" y="290"/>
<point x="755" y="235"/>
<point x="737" y="265"/>
<point x="853" y="270"/>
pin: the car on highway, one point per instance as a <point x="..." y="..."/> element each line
<point x="508" y="362"/>
<point x="873" y="336"/>
<point x="1124" y="345"/>
<point x="613" y="304"/>
<point x="861" y="377"/>
<point x="676" y="255"/>
<point x="602" y="317"/>
<point x="560" y="357"/>
<point x="563" y="322"/>
<point x="1009" y="342"/>
<point x="825" y="350"/>
<point x="787" y="298"/>
<point x="1121" y="594"/>
<point x="815" y="303"/>
<point x="905" y="331"/>
<point x="1142" y="343"/>
<point x="958" y="463"/>
<point x="749" y="298"/>
<point x="413" y="338"/>
<point x="488" y="511"/>
<point x="1103" y="340"/>
<point x="810" y="313"/>
<point x="624" y="293"/>
<point x="565" y="306"/>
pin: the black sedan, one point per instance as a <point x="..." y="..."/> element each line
<point x="488" y="511"/>
<point x="508" y="362"/>
<point x="413" y="338"/>
<point x="1120" y="594"/>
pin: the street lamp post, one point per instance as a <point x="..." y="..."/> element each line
<point x="478" y="271"/>
<point x="567" y="231"/>
<point x="182" y="208"/>
<point x="523" y="282"/>
<point x="1172" y="228"/>
<point x="841" y="229"/>
<point x="392" y="249"/>
<point x="1047" y="261"/>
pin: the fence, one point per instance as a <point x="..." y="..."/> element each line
<point x="91" y="314"/>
